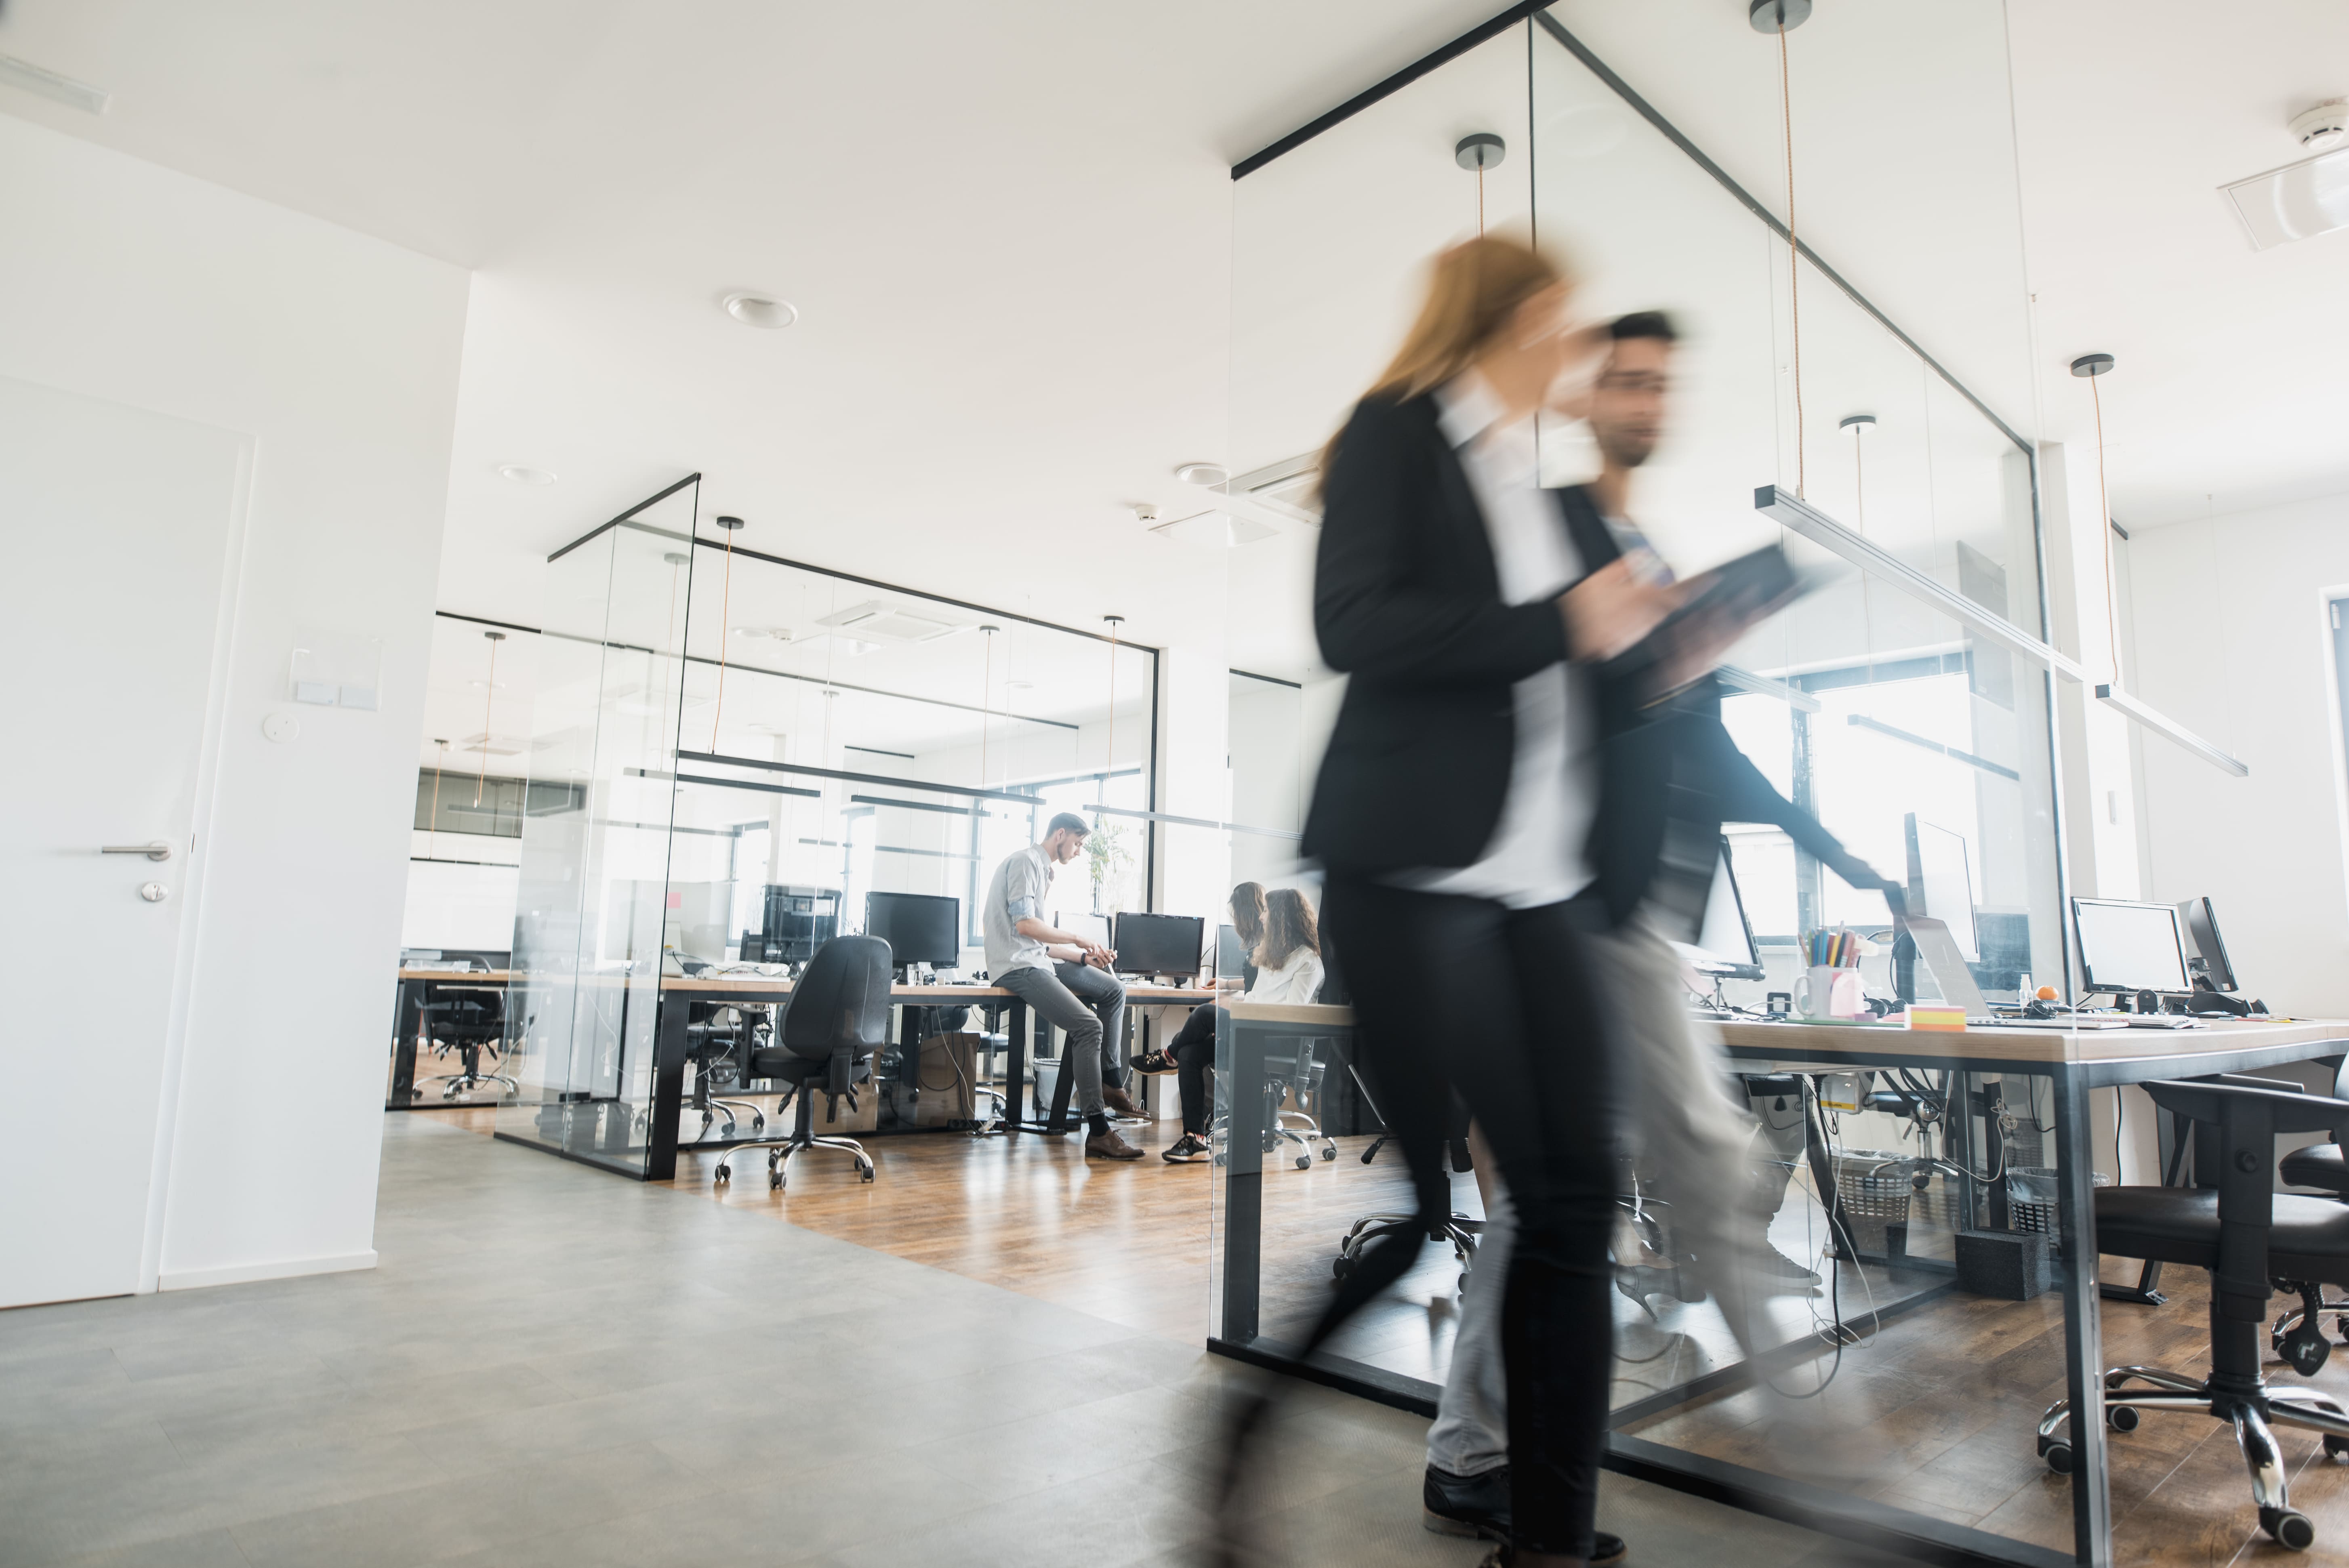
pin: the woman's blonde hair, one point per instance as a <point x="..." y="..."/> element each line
<point x="1289" y="924"/>
<point x="1472" y="290"/>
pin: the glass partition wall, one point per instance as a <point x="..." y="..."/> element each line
<point x="1859" y="392"/>
<point x="748" y="750"/>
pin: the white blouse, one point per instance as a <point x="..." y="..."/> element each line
<point x="1298" y="980"/>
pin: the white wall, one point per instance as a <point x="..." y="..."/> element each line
<point x="338" y="355"/>
<point x="2231" y="642"/>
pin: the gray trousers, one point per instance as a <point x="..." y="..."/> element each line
<point x="1693" y="1143"/>
<point x="1089" y="1005"/>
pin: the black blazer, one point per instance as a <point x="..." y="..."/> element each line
<point x="1407" y="603"/>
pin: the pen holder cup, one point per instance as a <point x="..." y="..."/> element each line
<point x="1826" y="992"/>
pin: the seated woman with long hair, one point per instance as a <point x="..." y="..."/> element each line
<point x="1285" y="967"/>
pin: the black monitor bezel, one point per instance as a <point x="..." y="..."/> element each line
<point x="1199" y="923"/>
<point x="2222" y="978"/>
<point x="954" y="927"/>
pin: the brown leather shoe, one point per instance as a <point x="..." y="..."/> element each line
<point x="1118" y="1100"/>
<point x="1109" y="1146"/>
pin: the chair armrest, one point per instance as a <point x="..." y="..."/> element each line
<point x="2291" y="1110"/>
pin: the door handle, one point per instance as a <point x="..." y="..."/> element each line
<point x="157" y="851"/>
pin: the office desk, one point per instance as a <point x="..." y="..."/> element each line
<point x="2073" y="1063"/>
<point x="415" y="987"/>
<point x="669" y="1075"/>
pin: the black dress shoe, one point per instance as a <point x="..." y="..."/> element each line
<point x="1477" y="1506"/>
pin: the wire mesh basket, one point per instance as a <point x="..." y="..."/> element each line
<point x="2031" y="1196"/>
<point x="1873" y="1189"/>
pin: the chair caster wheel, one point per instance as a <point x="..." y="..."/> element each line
<point x="758" y="1124"/>
<point x="2290" y="1527"/>
<point x="2059" y="1458"/>
<point x="725" y="1172"/>
<point x="2305" y="1349"/>
<point x="2121" y="1417"/>
<point x="1305" y="1162"/>
<point x="865" y="1176"/>
<point x="774" y="1180"/>
<point x="1341" y="1266"/>
<point x="2335" y="1448"/>
<point x="1328" y="1151"/>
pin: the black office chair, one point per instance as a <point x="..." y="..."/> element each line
<point x="2247" y="1236"/>
<point x="720" y="1051"/>
<point x="2298" y="1335"/>
<point x="838" y="1016"/>
<point x="467" y="1023"/>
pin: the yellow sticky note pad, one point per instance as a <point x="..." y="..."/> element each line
<point x="1947" y="1020"/>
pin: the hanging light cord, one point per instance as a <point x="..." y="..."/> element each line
<point x="2104" y="526"/>
<point x="1109" y="733"/>
<point x="985" y="695"/>
<point x="725" y="614"/>
<point x="488" y="702"/>
<point x="1793" y="251"/>
<point x="1480" y="195"/>
<point x="433" y="823"/>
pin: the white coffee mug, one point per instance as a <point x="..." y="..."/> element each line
<point x="1826" y="992"/>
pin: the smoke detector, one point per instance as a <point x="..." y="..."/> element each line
<point x="2322" y="127"/>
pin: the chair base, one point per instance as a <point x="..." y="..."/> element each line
<point x="2254" y="1414"/>
<point x="780" y="1153"/>
<point x="1458" y="1229"/>
<point x="2298" y="1336"/>
<point x="727" y="1109"/>
<point x="465" y="1083"/>
<point x="1296" y="1126"/>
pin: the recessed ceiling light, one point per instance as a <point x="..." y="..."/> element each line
<point x="524" y="474"/>
<point x="2297" y="201"/>
<point x="1202" y="474"/>
<point x="761" y="310"/>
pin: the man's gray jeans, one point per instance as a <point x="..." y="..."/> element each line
<point x="1090" y="1005"/>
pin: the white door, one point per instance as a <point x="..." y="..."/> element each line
<point x="117" y="525"/>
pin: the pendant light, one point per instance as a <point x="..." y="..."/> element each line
<point x="488" y="705"/>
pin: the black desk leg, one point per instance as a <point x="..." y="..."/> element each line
<point x="410" y="1016"/>
<point x="2084" y="1348"/>
<point x="669" y="1050"/>
<point x="1015" y="1066"/>
<point x="1243" y="1184"/>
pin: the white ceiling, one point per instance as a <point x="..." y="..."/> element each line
<point x="1008" y="230"/>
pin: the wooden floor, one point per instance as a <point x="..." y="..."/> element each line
<point x="1934" y="1413"/>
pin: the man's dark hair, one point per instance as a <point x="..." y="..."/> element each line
<point x="1652" y="324"/>
<point x="1072" y="821"/>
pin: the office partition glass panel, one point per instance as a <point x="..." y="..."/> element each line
<point x="594" y="905"/>
<point x="1867" y="406"/>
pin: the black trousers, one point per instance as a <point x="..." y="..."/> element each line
<point x="1193" y="1049"/>
<point x="1465" y="994"/>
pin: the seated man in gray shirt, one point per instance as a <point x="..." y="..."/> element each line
<point x="1063" y="976"/>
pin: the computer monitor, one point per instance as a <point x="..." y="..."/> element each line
<point x="1725" y="944"/>
<point x="920" y="927"/>
<point x="1231" y="953"/>
<point x="1159" y="943"/>
<point x="1940" y="883"/>
<point x="798" y="920"/>
<point x="2127" y="946"/>
<point x="1094" y="928"/>
<point x="2206" y="955"/>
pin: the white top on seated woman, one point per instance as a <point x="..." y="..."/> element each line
<point x="1288" y="959"/>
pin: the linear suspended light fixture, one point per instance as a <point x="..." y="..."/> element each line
<point x="1800" y="516"/>
<point x="1794" y="697"/>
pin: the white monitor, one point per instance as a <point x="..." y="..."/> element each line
<point x="1940" y="883"/>
<point x="1094" y="928"/>
<point x="2127" y="946"/>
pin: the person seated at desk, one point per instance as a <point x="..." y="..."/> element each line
<point x="1287" y="967"/>
<point x="1063" y="976"/>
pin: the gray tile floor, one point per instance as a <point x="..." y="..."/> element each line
<point x="555" y="1366"/>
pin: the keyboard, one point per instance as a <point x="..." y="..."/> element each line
<point x="2091" y="1022"/>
